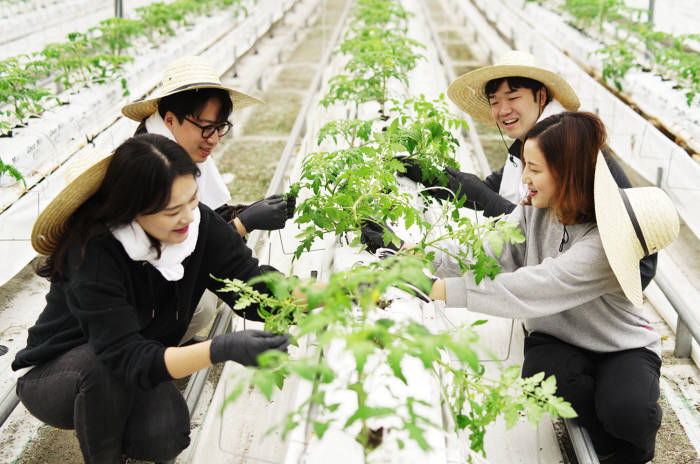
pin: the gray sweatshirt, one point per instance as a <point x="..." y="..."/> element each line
<point x="572" y="295"/>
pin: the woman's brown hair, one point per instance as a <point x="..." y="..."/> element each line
<point x="570" y="142"/>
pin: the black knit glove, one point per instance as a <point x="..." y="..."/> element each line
<point x="469" y="185"/>
<point x="372" y="236"/>
<point x="245" y="346"/>
<point x="267" y="214"/>
<point x="413" y="170"/>
<point x="291" y="206"/>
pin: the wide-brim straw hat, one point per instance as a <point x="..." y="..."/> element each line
<point x="632" y="223"/>
<point x="186" y="73"/>
<point x="468" y="90"/>
<point x="83" y="178"/>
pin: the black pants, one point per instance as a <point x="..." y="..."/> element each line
<point x="614" y="394"/>
<point x="76" y="390"/>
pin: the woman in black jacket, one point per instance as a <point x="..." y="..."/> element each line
<point x="130" y="252"/>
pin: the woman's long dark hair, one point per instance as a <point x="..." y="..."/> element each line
<point x="570" y="142"/>
<point x="138" y="181"/>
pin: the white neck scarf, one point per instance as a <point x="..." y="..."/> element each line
<point x="210" y="186"/>
<point x="135" y="241"/>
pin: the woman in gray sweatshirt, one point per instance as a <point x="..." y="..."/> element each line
<point x="573" y="296"/>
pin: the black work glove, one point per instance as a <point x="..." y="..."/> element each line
<point x="267" y="214"/>
<point x="291" y="206"/>
<point x="413" y="170"/>
<point x="245" y="346"/>
<point x="469" y="185"/>
<point x="372" y="236"/>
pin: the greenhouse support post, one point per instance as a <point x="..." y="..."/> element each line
<point x="118" y="9"/>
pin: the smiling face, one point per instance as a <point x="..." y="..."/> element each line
<point x="189" y="136"/>
<point x="171" y="224"/>
<point x="516" y="110"/>
<point x="537" y="176"/>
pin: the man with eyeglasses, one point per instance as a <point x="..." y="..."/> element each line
<point x="193" y="110"/>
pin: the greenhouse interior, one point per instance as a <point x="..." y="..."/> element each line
<point x="373" y="291"/>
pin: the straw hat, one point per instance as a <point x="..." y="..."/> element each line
<point x="633" y="223"/>
<point x="187" y="73"/>
<point x="468" y="90"/>
<point x="83" y="178"/>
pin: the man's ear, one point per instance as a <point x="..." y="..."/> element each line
<point x="169" y="119"/>
<point x="542" y="97"/>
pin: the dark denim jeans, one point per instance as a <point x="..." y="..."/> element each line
<point x="78" y="391"/>
<point x="614" y="394"/>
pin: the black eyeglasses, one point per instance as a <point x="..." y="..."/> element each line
<point x="207" y="131"/>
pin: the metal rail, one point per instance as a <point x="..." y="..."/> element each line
<point x="581" y="442"/>
<point x="688" y="324"/>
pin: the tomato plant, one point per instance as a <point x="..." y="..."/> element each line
<point x="376" y="56"/>
<point x="378" y="51"/>
<point x="116" y="33"/>
<point x="352" y="327"/>
<point x="18" y="88"/>
<point x="12" y="171"/>
<point x="590" y="12"/>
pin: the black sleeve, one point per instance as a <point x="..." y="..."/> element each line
<point x="493" y="180"/>
<point x="647" y="265"/>
<point x="228" y="257"/>
<point x="486" y="195"/>
<point x="229" y="212"/>
<point x="498" y="205"/>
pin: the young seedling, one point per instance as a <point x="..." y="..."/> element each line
<point x="13" y="172"/>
